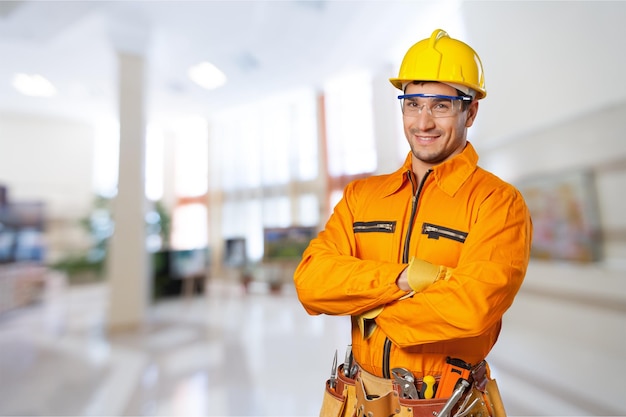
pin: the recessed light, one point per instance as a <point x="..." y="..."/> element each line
<point x="33" y="85"/>
<point x="207" y="75"/>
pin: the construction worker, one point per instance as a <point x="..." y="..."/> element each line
<point x="427" y="259"/>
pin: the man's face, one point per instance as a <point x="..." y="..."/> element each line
<point x="434" y="140"/>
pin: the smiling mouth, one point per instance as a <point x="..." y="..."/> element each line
<point x="426" y="138"/>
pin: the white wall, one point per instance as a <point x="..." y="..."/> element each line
<point x="49" y="160"/>
<point x="592" y="141"/>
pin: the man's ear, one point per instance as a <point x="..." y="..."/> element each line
<point x="472" y="111"/>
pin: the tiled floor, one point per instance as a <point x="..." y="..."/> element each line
<point x="228" y="353"/>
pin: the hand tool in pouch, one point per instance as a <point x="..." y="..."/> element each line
<point x="347" y="362"/>
<point x="428" y="387"/>
<point x="454" y="370"/>
<point x="461" y="386"/>
<point x="333" y="373"/>
<point x="405" y="379"/>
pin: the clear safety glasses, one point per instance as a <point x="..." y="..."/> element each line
<point x="436" y="105"/>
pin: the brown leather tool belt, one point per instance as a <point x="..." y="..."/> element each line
<point x="370" y="396"/>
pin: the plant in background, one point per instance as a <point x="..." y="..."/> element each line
<point x="89" y="265"/>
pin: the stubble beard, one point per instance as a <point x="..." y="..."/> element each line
<point x="428" y="157"/>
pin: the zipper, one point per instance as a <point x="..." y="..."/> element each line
<point x="405" y="259"/>
<point x="435" y="232"/>
<point x="376" y="226"/>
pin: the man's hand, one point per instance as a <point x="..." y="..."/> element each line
<point x="414" y="278"/>
<point x="403" y="280"/>
<point x="420" y="274"/>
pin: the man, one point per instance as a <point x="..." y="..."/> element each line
<point x="427" y="259"/>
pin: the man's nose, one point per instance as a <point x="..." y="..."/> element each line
<point x="424" y="119"/>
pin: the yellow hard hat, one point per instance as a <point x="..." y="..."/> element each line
<point x="444" y="60"/>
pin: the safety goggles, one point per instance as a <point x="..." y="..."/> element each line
<point x="437" y="105"/>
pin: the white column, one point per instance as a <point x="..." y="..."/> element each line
<point x="128" y="263"/>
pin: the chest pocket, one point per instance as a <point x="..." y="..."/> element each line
<point x="376" y="226"/>
<point x="375" y="239"/>
<point x="435" y="232"/>
<point x="440" y="244"/>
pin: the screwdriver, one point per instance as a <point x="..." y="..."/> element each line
<point x="428" y="387"/>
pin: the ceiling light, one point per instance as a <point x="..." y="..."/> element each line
<point x="207" y="75"/>
<point x="33" y="85"/>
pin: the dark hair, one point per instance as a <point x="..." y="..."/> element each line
<point x="465" y="104"/>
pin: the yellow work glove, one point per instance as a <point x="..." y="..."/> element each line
<point x="421" y="274"/>
<point x="366" y="321"/>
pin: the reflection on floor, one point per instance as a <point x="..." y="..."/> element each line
<point x="228" y="353"/>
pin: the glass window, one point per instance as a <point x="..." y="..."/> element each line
<point x="262" y="148"/>
<point x="242" y="218"/>
<point x="276" y="212"/>
<point x="276" y="137"/>
<point x="191" y="157"/>
<point x="189" y="227"/>
<point x="349" y="124"/>
<point x="305" y="160"/>
<point x="308" y="210"/>
<point x="191" y="179"/>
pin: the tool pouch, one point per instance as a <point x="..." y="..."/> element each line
<point x="340" y="400"/>
<point x="494" y="400"/>
<point x="372" y="405"/>
<point x="333" y="405"/>
<point x="482" y="402"/>
<point x="421" y="408"/>
<point x="379" y="397"/>
<point x="485" y="394"/>
<point x="370" y="396"/>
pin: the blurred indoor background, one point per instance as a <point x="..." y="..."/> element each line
<point x="163" y="163"/>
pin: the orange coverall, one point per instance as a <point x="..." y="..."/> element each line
<point x="460" y="216"/>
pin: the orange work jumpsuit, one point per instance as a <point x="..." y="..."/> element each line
<point x="458" y="215"/>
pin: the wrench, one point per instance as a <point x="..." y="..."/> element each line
<point x="405" y="379"/>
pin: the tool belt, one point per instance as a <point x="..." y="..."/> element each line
<point x="367" y="395"/>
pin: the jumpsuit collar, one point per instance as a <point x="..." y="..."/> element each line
<point x="449" y="175"/>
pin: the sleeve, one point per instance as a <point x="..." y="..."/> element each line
<point x="489" y="273"/>
<point x="331" y="280"/>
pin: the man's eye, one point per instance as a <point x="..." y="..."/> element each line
<point x="411" y="103"/>
<point x="441" y="106"/>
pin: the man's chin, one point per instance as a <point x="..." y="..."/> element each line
<point x="428" y="157"/>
